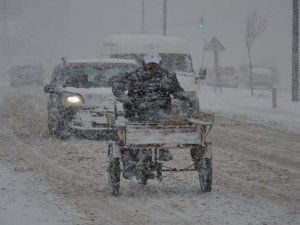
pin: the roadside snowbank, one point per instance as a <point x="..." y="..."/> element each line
<point x="239" y="102"/>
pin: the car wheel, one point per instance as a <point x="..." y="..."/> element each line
<point x="57" y="127"/>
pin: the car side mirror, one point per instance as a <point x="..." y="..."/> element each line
<point x="48" y="88"/>
<point x="202" y="74"/>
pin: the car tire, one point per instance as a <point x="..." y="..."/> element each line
<point x="57" y="127"/>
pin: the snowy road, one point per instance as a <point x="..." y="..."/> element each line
<point x="256" y="172"/>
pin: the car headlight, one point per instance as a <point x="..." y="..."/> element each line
<point x="71" y="99"/>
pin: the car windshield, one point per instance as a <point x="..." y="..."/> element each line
<point x="92" y="75"/>
<point x="171" y="61"/>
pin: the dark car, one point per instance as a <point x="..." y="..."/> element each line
<point x="81" y="95"/>
<point x="26" y="75"/>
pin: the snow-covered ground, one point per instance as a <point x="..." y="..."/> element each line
<point x="25" y="203"/>
<point x="44" y="180"/>
<point x="239" y="102"/>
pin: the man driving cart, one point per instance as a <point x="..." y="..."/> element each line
<point x="149" y="90"/>
<point x="146" y="96"/>
<point x="149" y="93"/>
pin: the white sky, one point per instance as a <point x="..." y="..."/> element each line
<point x="76" y="27"/>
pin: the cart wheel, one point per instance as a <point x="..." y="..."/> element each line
<point x="205" y="174"/>
<point x="142" y="174"/>
<point x="114" y="170"/>
<point x="144" y="179"/>
<point x="159" y="171"/>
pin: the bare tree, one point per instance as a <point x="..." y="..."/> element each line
<point x="255" y="26"/>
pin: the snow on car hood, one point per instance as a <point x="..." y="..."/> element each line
<point x="94" y="97"/>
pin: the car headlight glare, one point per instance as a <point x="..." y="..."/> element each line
<point x="73" y="99"/>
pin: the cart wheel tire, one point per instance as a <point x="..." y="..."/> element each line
<point x="205" y="175"/>
<point x="114" y="171"/>
<point x="144" y="180"/>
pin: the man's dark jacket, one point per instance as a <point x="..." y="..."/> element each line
<point x="146" y="89"/>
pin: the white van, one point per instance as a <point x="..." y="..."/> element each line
<point x="174" y="51"/>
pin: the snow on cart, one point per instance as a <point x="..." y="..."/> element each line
<point x="139" y="144"/>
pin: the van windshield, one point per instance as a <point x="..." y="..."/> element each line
<point x="170" y="61"/>
<point x="177" y="62"/>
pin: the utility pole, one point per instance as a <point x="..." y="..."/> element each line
<point x="295" y="56"/>
<point x="165" y="18"/>
<point x="143" y="17"/>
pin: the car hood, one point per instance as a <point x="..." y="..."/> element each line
<point x="101" y="98"/>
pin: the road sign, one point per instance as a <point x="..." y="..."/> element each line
<point x="214" y="45"/>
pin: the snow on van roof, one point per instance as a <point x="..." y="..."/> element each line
<point x="141" y="43"/>
<point x="101" y="60"/>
